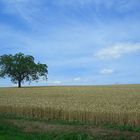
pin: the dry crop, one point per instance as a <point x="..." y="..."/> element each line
<point x="118" y="104"/>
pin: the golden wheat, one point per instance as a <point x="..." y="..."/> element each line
<point x="97" y="104"/>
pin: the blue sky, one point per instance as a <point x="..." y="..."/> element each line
<point x="83" y="42"/>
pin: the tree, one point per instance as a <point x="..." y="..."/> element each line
<point x="21" y="68"/>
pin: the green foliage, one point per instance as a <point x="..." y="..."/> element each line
<point x="20" y="68"/>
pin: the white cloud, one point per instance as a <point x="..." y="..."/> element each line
<point x="106" y="71"/>
<point x="117" y="51"/>
<point x="76" y="79"/>
<point x="55" y="82"/>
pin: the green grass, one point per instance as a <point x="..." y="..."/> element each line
<point x="45" y="137"/>
<point x="123" y="128"/>
<point x="72" y="123"/>
<point x="9" y="132"/>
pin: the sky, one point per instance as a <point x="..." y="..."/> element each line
<point x="83" y="42"/>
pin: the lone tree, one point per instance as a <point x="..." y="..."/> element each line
<point x="21" y="68"/>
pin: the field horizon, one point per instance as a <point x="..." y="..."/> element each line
<point x="81" y="103"/>
<point x="86" y="108"/>
<point x="90" y="85"/>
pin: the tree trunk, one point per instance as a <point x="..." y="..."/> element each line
<point x="19" y="84"/>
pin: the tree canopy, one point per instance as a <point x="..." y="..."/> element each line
<point x="21" y="68"/>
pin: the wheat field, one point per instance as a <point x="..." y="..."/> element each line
<point x="117" y="104"/>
